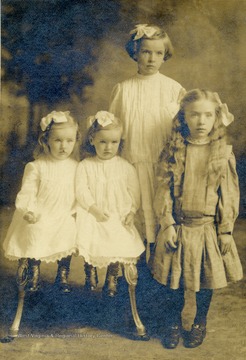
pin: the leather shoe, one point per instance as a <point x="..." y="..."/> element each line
<point x="172" y="336"/>
<point x="196" y="336"/>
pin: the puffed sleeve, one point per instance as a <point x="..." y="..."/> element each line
<point x="115" y="101"/>
<point x="177" y="94"/>
<point x="228" y="206"/>
<point x="83" y="193"/>
<point x="133" y="188"/>
<point x="163" y="202"/>
<point x="26" y="199"/>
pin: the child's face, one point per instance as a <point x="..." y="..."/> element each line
<point x="106" y="143"/>
<point x="61" y="142"/>
<point x="200" y="117"/>
<point x="150" y="56"/>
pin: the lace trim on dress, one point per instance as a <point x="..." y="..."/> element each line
<point x="47" y="259"/>
<point x="102" y="262"/>
<point x="198" y="141"/>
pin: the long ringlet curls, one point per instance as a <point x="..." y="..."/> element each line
<point x="173" y="156"/>
<point x="42" y="147"/>
<point x="99" y="123"/>
<point x="133" y="45"/>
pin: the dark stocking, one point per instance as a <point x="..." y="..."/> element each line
<point x="175" y="305"/>
<point x="203" y="301"/>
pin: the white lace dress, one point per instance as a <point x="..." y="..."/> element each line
<point x="113" y="186"/>
<point x="146" y="105"/>
<point x="47" y="190"/>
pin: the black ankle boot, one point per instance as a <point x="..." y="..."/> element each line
<point x="34" y="271"/>
<point x="196" y="336"/>
<point x="91" y="279"/>
<point x="112" y="279"/>
<point x="171" y="338"/>
<point x="62" y="274"/>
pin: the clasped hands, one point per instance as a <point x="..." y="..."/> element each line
<point x="30" y="217"/>
<point x="104" y="216"/>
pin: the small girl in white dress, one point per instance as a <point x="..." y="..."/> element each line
<point x="107" y="191"/>
<point x="43" y="226"/>
<point x="146" y="103"/>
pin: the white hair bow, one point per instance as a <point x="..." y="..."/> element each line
<point x="103" y="118"/>
<point x="226" y="116"/>
<point x="55" y="116"/>
<point x="141" y="30"/>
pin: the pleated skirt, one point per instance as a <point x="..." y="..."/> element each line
<point x="197" y="262"/>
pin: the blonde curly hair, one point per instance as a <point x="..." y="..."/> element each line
<point x="172" y="159"/>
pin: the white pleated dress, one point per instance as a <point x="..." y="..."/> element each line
<point x="113" y="186"/>
<point x="146" y="105"/>
<point x="47" y="190"/>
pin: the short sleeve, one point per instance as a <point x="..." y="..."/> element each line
<point x="228" y="206"/>
<point x="133" y="188"/>
<point x="83" y="193"/>
<point x="26" y="199"/>
<point x="115" y="100"/>
<point x="177" y="94"/>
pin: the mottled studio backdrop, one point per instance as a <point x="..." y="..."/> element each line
<point x="68" y="55"/>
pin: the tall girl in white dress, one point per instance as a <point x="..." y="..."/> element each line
<point x="108" y="195"/>
<point x="43" y="225"/>
<point x="146" y="104"/>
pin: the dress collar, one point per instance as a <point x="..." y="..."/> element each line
<point x="147" y="77"/>
<point x="104" y="161"/>
<point x="198" y="141"/>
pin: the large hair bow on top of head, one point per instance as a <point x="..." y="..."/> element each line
<point x="103" y="118"/>
<point x="141" y="30"/>
<point x="56" y="117"/>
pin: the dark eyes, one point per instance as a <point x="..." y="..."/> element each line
<point x="208" y="114"/>
<point x="150" y="52"/>
<point x="60" y="140"/>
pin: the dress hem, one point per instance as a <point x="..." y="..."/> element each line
<point x="104" y="262"/>
<point x="47" y="259"/>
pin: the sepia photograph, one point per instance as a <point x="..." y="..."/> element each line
<point x="123" y="180"/>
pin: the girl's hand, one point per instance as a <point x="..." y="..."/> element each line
<point x="169" y="238"/>
<point x="30" y="217"/>
<point x="129" y="220"/>
<point x="101" y="217"/>
<point x="224" y="241"/>
<point x="98" y="214"/>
